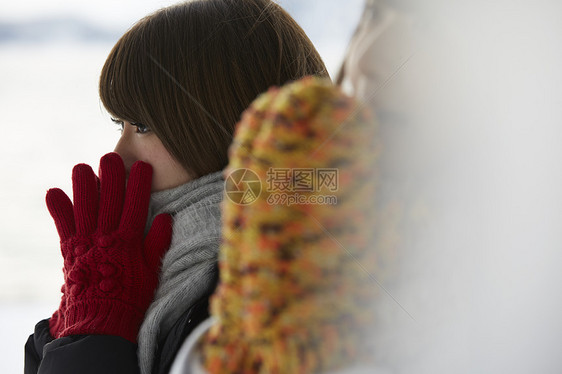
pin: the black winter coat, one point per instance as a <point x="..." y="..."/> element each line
<point x="96" y="354"/>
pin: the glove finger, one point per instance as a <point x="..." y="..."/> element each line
<point x="60" y="208"/>
<point x="85" y="188"/>
<point x="137" y="198"/>
<point x="112" y="192"/>
<point x="158" y="240"/>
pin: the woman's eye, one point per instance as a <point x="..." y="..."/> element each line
<point x="119" y="123"/>
<point x="141" y="129"/>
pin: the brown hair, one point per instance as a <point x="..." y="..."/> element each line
<point x="188" y="72"/>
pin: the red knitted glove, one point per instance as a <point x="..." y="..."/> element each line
<point x="56" y="322"/>
<point x="110" y="269"/>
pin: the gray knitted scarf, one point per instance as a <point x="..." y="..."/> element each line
<point x="188" y="267"/>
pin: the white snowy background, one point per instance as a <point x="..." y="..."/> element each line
<point x="482" y="279"/>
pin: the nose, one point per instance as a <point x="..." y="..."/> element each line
<point x="125" y="149"/>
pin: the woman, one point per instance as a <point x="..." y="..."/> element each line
<point x="176" y="83"/>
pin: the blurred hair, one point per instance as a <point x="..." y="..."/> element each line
<point x="188" y="71"/>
